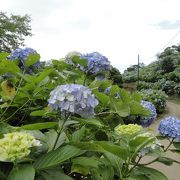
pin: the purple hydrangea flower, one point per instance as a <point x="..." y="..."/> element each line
<point x="73" y="98"/>
<point x="170" y="126"/>
<point x="96" y="62"/>
<point x="22" y="55"/>
<point x="147" y="121"/>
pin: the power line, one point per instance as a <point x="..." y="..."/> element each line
<point x="165" y="45"/>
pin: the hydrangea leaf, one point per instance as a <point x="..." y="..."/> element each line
<point x="8" y="89"/>
<point x="56" y="157"/>
<point x="39" y="126"/>
<point x="54" y="174"/>
<point x="22" y="172"/>
<point x="78" y="135"/>
<point x="32" y="59"/>
<point x="145" y="173"/>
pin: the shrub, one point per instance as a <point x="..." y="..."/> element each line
<point x="168" y="87"/>
<point x="157" y="97"/>
<point x="177" y="89"/>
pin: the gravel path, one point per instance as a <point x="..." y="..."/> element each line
<point x="172" y="172"/>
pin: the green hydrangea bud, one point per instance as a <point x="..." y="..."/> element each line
<point x="16" y="145"/>
<point x="129" y="129"/>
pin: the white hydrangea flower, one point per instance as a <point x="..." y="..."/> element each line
<point x="16" y="145"/>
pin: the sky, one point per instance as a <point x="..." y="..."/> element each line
<point x="118" y="29"/>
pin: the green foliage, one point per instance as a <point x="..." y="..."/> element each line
<point x="72" y="147"/>
<point x="163" y="74"/>
<point x="21" y="172"/>
<point x="116" y="76"/>
<point x="157" y="97"/>
<point x="14" y="29"/>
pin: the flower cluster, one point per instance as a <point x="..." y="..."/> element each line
<point x="96" y="62"/>
<point x="16" y="145"/>
<point x="170" y="126"/>
<point x="130" y="129"/>
<point x="73" y="98"/>
<point x="22" y="55"/>
<point x="147" y="121"/>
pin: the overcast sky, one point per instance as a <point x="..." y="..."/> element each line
<point x="118" y="29"/>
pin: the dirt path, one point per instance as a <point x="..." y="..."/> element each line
<point x="172" y="172"/>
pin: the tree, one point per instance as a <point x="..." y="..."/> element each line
<point x="13" y="30"/>
<point x="116" y="76"/>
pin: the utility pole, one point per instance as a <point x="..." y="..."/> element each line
<point x="138" y="71"/>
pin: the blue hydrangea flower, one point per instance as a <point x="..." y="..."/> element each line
<point x="96" y="62"/>
<point x="73" y="98"/>
<point x="170" y="126"/>
<point x="22" y="55"/>
<point x="147" y="121"/>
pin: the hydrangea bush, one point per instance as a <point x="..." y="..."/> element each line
<point x="147" y="121"/>
<point x="157" y="97"/>
<point x="78" y="122"/>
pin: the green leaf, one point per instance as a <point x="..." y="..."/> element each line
<point x="39" y="113"/>
<point x="3" y="55"/>
<point x="120" y="108"/>
<point x="80" y="169"/>
<point x="78" y="135"/>
<point x="160" y="137"/>
<point x="115" y="161"/>
<point x="56" y="157"/>
<point x="103" y="147"/>
<point x="32" y="59"/>
<point x="78" y="60"/>
<point x="43" y="75"/>
<point x="22" y="172"/>
<point x="51" y="137"/>
<point x="136" y="96"/>
<point x="87" y="161"/>
<point x="146" y="173"/>
<point x="125" y="96"/>
<point x="39" y="126"/>
<point x="137" y="141"/>
<point x="177" y="145"/>
<point x="89" y="121"/>
<point x="137" y="109"/>
<point x="165" y="160"/>
<point x="54" y="174"/>
<point x="114" y="149"/>
<point x="103" y="98"/>
<point x="9" y="67"/>
<point x="114" y="89"/>
<point x="142" y="145"/>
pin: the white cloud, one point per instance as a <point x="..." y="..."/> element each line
<point x="119" y="29"/>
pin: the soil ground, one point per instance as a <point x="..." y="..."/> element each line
<point x="173" y="171"/>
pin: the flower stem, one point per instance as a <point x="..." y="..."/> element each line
<point x="137" y="162"/>
<point x="171" y="142"/>
<point x="61" y="128"/>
